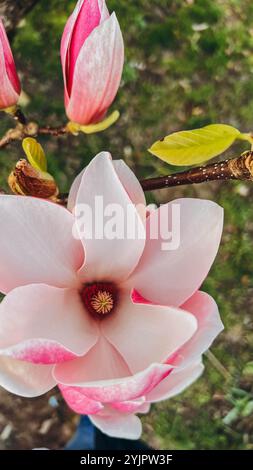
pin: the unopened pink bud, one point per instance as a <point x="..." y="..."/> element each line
<point x="92" y="54"/>
<point x="9" y="82"/>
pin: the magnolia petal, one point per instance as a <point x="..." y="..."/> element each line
<point x="109" y="391"/>
<point x="170" y="277"/>
<point x="78" y="402"/>
<point x="132" y="187"/>
<point x="43" y="324"/>
<point x="102" y="362"/>
<point x="10" y="85"/>
<point x="118" y="425"/>
<point x="128" y="406"/>
<point x="107" y="256"/>
<point x="39" y="351"/>
<point x="97" y="73"/>
<point x="36" y="244"/>
<point x="175" y="383"/>
<point x="126" y="177"/>
<point x="88" y="18"/>
<point x="205" y="310"/>
<point x="65" y="40"/>
<point x="25" y="379"/>
<point x="146" y="333"/>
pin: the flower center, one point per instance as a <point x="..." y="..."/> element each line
<point x="99" y="298"/>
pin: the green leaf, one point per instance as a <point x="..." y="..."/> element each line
<point x="231" y="416"/>
<point x="35" y="154"/>
<point x="248" y="409"/>
<point x="196" y="146"/>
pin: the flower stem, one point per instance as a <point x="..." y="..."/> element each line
<point x="218" y="366"/>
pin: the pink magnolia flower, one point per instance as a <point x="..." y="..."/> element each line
<point x="118" y="323"/>
<point x="9" y="82"/>
<point x="92" y="54"/>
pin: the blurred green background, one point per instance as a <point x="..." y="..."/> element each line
<point x="188" y="63"/>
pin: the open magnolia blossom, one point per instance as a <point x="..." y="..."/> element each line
<point x="10" y="87"/>
<point x="92" y="55"/>
<point x="117" y="324"/>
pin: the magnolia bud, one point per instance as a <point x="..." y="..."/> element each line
<point x="9" y="82"/>
<point x="92" y="54"/>
<point x="27" y="181"/>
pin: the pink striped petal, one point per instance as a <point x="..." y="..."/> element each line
<point x="39" y="351"/>
<point x="175" y="383"/>
<point x="170" y="277"/>
<point x="10" y="85"/>
<point x="78" y="402"/>
<point x="36" y="244"/>
<point x="110" y="391"/>
<point x="25" y="379"/>
<point x="45" y="325"/>
<point x="97" y="73"/>
<point x="129" y="406"/>
<point x="89" y="17"/>
<point x="66" y="36"/>
<point x="107" y="258"/>
<point x="146" y="333"/>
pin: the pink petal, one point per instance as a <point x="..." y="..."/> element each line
<point x="110" y="391"/>
<point x="128" y="406"/>
<point x="89" y="17"/>
<point x="171" y="277"/>
<point x="97" y="74"/>
<point x="205" y="310"/>
<point x="10" y="85"/>
<point x="118" y="425"/>
<point x="146" y="333"/>
<point x="102" y="362"/>
<point x="78" y="402"/>
<point x="126" y="177"/>
<point x="45" y="325"/>
<point x="65" y="45"/>
<point x="85" y="27"/>
<point x="176" y="382"/>
<point x="74" y="191"/>
<point x="25" y="379"/>
<point x="145" y="408"/>
<point x="36" y="244"/>
<point x="105" y="258"/>
<point x="132" y="186"/>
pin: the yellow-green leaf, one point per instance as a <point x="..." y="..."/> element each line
<point x="195" y="146"/>
<point x="35" y="154"/>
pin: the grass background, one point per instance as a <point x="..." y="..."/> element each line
<point x="188" y="63"/>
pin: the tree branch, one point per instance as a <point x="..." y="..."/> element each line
<point x="12" y="13"/>
<point x="31" y="129"/>
<point x="239" y="168"/>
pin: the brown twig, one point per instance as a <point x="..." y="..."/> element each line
<point x="240" y="168"/>
<point x="29" y="130"/>
<point x="54" y="131"/>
